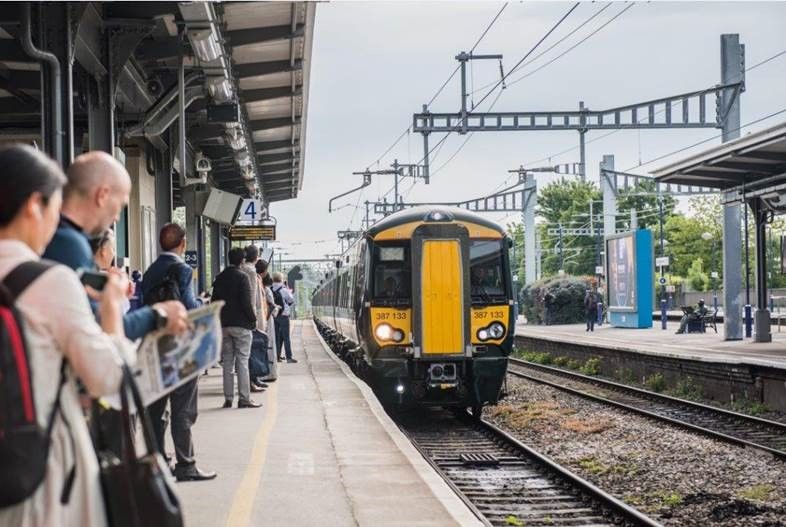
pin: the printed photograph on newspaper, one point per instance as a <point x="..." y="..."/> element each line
<point x="165" y="362"/>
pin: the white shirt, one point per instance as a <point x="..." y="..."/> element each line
<point x="58" y="323"/>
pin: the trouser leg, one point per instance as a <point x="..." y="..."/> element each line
<point x="184" y="414"/>
<point x="285" y="336"/>
<point x="156" y="413"/>
<point x="243" y="352"/>
<point x="227" y="363"/>
<point x="279" y="323"/>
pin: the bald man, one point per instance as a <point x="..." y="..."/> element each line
<point x="97" y="190"/>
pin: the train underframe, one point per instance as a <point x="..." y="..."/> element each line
<point x="399" y="379"/>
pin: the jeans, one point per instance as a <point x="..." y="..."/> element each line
<point x="282" y="336"/>
<point x="183" y="403"/>
<point x="591" y="316"/>
<point x="235" y="351"/>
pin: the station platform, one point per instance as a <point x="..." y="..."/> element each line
<point x="320" y="451"/>
<point x="726" y="371"/>
<point x="655" y="341"/>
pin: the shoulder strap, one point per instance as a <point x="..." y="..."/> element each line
<point x="25" y="274"/>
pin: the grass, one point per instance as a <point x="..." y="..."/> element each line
<point x="593" y="465"/>
<point x="747" y="406"/>
<point x="538" y="358"/>
<point x="591" y="367"/>
<point x="587" y="426"/>
<point x="561" y="361"/>
<point x="687" y="389"/>
<point x="668" y="498"/>
<point x="757" y="492"/>
<point x="655" y="382"/>
<point x="626" y="376"/>
<point x="524" y="415"/>
<point x="514" y="521"/>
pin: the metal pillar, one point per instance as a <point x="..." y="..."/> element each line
<point x="163" y="187"/>
<point x="761" y="317"/>
<point x="528" y="218"/>
<point x="634" y="220"/>
<point x="732" y="58"/>
<point x="609" y="196"/>
<point x="582" y="147"/>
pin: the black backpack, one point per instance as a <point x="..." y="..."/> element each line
<point x="166" y="289"/>
<point x="278" y="299"/>
<point x="24" y="445"/>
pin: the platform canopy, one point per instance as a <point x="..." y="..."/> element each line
<point x="754" y="165"/>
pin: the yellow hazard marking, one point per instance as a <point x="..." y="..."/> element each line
<point x="243" y="502"/>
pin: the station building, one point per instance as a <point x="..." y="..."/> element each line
<point x="192" y="97"/>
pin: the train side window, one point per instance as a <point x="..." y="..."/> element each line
<point x="392" y="274"/>
<point x="486" y="278"/>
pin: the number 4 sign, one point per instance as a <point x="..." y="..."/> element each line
<point x="250" y="211"/>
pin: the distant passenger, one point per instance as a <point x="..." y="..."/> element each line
<point x="170" y="278"/>
<point x="237" y="320"/>
<point x="65" y="344"/>
<point x="391" y="289"/>
<point x="590" y="309"/>
<point x="696" y="314"/>
<point x="103" y="248"/>
<point x="265" y="322"/>
<point x="272" y="312"/>
<point x="284" y="300"/>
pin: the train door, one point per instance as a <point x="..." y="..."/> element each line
<point x="440" y="290"/>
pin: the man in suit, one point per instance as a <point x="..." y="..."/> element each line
<point x="237" y="320"/>
<point x="170" y="278"/>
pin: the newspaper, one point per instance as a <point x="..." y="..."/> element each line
<point x="165" y="362"/>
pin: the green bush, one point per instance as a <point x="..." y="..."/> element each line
<point x="655" y="382"/>
<point x="591" y="367"/>
<point x="556" y="300"/>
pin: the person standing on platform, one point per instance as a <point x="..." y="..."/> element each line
<point x="268" y="325"/>
<point x="63" y="343"/>
<point x="237" y="320"/>
<point x="283" y="299"/>
<point x="97" y="190"/>
<point x="170" y="278"/>
<point x="257" y="339"/>
<point x="590" y="309"/>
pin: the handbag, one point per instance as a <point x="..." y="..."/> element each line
<point x="138" y="491"/>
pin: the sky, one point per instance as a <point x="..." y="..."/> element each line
<point x="374" y="64"/>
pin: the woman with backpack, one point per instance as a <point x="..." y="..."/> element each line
<point x="49" y="338"/>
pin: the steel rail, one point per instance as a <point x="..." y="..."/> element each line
<point x="673" y="402"/>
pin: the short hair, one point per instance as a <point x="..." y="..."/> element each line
<point x="267" y="281"/>
<point x="235" y="256"/>
<point x="90" y="170"/>
<point x="25" y="172"/>
<point x="252" y="253"/>
<point x="97" y="243"/>
<point x="171" y="236"/>
<point x="278" y="277"/>
<point x="261" y="266"/>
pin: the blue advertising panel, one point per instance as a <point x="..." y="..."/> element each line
<point x="629" y="276"/>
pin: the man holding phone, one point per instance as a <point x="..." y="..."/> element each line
<point x="170" y="278"/>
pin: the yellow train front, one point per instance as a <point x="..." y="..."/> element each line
<point x="422" y="307"/>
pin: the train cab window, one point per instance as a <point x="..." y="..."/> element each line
<point x="392" y="274"/>
<point x="486" y="278"/>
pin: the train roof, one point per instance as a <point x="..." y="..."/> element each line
<point x="420" y="212"/>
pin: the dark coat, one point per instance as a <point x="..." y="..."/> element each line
<point x="233" y="287"/>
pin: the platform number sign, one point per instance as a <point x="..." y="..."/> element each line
<point x="192" y="259"/>
<point x="250" y="211"/>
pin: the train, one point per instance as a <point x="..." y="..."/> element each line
<point x="421" y="306"/>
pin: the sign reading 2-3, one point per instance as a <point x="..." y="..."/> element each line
<point x="251" y="211"/>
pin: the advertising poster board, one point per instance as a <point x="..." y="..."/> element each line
<point x="629" y="278"/>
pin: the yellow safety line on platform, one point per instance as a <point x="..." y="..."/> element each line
<point x="243" y="502"/>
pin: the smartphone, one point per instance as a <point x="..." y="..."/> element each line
<point x="94" y="279"/>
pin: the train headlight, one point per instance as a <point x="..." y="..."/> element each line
<point x="494" y="331"/>
<point x="388" y="332"/>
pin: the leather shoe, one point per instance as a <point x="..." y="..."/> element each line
<point x="227" y="403"/>
<point x="256" y="388"/>
<point x="291" y="360"/>
<point x="261" y="384"/>
<point x="248" y="404"/>
<point x="194" y="474"/>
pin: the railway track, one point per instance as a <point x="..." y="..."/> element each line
<point x="752" y="432"/>
<point x="507" y="483"/>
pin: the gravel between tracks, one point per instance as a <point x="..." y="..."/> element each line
<point x="678" y="477"/>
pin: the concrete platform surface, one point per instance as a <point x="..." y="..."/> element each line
<point x="320" y="451"/>
<point x="708" y="347"/>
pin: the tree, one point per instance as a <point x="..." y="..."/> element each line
<point x="644" y="198"/>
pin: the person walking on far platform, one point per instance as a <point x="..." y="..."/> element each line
<point x="237" y="320"/>
<point x="170" y="278"/>
<point x="590" y="309"/>
<point x="283" y="298"/>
